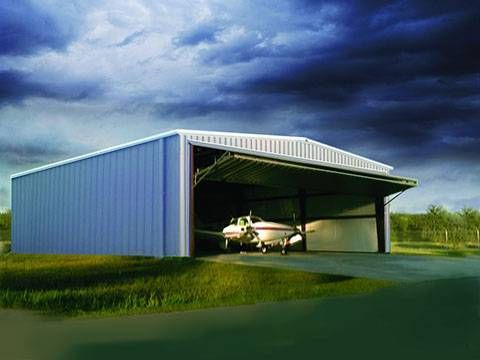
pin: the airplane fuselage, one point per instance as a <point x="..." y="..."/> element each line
<point x="265" y="231"/>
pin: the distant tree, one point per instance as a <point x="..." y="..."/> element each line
<point x="5" y="219"/>
<point x="437" y="212"/>
<point x="470" y="217"/>
<point x="403" y="222"/>
<point x="461" y="226"/>
<point x="5" y="225"/>
<point x="436" y="222"/>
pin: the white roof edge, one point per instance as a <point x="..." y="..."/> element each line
<point x="200" y="132"/>
<point x="182" y="132"/>
<point x="96" y="153"/>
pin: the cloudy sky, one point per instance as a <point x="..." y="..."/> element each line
<point x="398" y="82"/>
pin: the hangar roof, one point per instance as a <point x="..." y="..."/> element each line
<point x="290" y="148"/>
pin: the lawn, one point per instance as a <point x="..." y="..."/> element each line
<point x="114" y="285"/>
<point x="434" y="248"/>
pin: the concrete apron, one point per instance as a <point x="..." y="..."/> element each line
<point x="375" y="266"/>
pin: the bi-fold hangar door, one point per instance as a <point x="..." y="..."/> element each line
<point x="340" y="209"/>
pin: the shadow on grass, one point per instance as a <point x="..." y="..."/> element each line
<point x="422" y="245"/>
<point x="435" y="249"/>
<point x="80" y="285"/>
<point x="72" y="276"/>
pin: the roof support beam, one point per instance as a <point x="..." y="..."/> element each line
<point x="254" y="170"/>
<point x="380" y="219"/>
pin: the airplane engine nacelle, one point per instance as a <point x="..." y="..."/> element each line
<point x="294" y="239"/>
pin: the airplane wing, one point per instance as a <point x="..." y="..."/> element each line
<point x="210" y="233"/>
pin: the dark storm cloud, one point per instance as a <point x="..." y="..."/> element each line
<point x="443" y="46"/>
<point x="387" y="55"/>
<point x="204" y="32"/>
<point x="460" y="89"/>
<point x="16" y="86"/>
<point x="412" y="122"/>
<point x="437" y="130"/>
<point x="26" y="28"/>
<point x="406" y="73"/>
<point x="189" y="109"/>
<point x="18" y="153"/>
<point x="244" y="49"/>
<point x="202" y="107"/>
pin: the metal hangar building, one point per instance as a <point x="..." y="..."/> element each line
<point x="147" y="197"/>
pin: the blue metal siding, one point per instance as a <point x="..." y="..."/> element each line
<point x="172" y="187"/>
<point x="123" y="202"/>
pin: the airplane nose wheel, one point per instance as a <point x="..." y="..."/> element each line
<point x="263" y="249"/>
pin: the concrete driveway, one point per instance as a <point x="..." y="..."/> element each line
<point x="374" y="266"/>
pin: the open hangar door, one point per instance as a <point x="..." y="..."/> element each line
<point x="338" y="209"/>
<point x="216" y="202"/>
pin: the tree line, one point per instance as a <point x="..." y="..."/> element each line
<point x="5" y="225"/>
<point x="437" y="224"/>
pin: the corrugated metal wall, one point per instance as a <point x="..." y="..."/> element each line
<point x="125" y="202"/>
<point x="298" y="148"/>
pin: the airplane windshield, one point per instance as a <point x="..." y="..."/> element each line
<point x="255" y="219"/>
<point x="243" y="222"/>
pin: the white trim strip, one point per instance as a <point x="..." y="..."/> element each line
<point x="96" y="153"/>
<point x="227" y="133"/>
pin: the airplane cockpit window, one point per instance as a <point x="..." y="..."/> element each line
<point x="243" y="222"/>
<point x="255" y="219"/>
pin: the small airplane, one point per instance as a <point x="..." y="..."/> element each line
<point x="252" y="229"/>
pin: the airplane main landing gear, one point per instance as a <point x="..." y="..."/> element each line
<point x="284" y="247"/>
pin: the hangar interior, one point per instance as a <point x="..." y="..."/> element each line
<point x="338" y="209"/>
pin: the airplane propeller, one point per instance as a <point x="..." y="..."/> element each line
<point x="294" y="221"/>
<point x="252" y="232"/>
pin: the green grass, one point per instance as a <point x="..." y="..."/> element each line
<point x="434" y="248"/>
<point x="4" y="234"/>
<point x="113" y="285"/>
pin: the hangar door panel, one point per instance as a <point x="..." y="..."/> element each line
<point x="323" y="206"/>
<point x="273" y="210"/>
<point x="341" y="223"/>
<point x="343" y="235"/>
